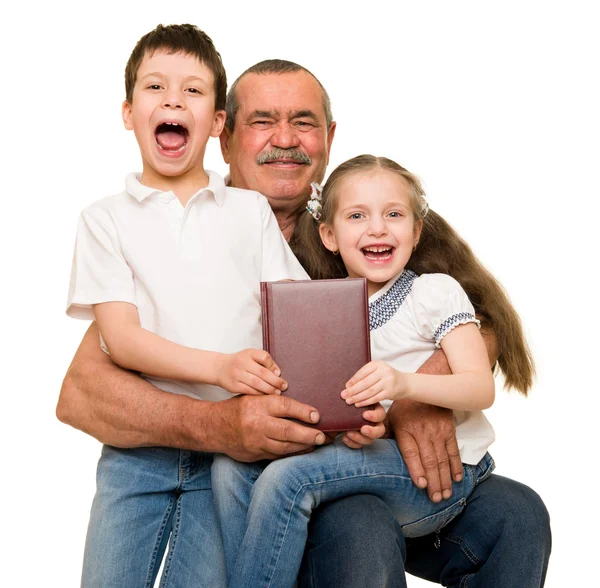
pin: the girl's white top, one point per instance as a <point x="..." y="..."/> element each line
<point x="409" y="317"/>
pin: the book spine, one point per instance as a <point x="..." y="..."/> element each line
<point x="264" y="304"/>
<point x="367" y="321"/>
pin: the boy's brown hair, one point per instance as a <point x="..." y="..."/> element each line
<point x="184" y="38"/>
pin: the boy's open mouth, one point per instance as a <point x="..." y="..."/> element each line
<point x="171" y="137"/>
<point x="379" y="253"/>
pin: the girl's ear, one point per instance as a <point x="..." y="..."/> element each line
<point x="328" y="237"/>
<point x="417" y="232"/>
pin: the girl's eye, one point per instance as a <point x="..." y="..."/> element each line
<point x="395" y="214"/>
<point x="194" y="91"/>
<point x="356" y="215"/>
<point x="154" y="87"/>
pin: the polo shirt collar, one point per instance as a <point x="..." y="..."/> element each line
<point x="135" y="188"/>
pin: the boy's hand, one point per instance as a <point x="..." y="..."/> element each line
<point x="251" y="371"/>
<point x="368" y="433"/>
<point x="375" y="382"/>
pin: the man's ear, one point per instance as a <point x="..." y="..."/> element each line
<point x="218" y="123"/>
<point x="328" y="237"/>
<point x="330" y="135"/>
<point x="127" y="117"/>
<point x="224" y="140"/>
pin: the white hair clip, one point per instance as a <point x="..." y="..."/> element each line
<point x="314" y="202"/>
<point x="424" y="206"/>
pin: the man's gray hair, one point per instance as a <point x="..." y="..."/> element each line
<point x="271" y="66"/>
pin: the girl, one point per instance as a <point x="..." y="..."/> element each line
<point x="369" y="217"/>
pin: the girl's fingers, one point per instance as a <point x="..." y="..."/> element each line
<point x="361" y="386"/>
<point x="367" y="395"/>
<point x="364" y="371"/>
<point x="378" y="397"/>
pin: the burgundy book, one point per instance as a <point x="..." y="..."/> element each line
<point x="317" y="331"/>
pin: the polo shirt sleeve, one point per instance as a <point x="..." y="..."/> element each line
<point x="99" y="272"/>
<point x="440" y="305"/>
<point x="278" y="261"/>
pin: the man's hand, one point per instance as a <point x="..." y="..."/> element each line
<point x="250" y="428"/>
<point x="367" y="433"/>
<point x="426" y="437"/>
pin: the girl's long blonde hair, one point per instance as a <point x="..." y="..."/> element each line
<point x="440" y="250"/>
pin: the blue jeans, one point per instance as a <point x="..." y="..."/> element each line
<point x="146" y="498"/>
<point x="265" y="511"/>
<point x="502" y="539"/>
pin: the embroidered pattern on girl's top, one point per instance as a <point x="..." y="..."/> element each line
<point x="384" y="308"/>
<point x="460" y="318"/>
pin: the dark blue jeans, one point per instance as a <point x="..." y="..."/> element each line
<point x="501" y="540"/>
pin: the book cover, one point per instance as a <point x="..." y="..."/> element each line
<point x="317" y="331"/>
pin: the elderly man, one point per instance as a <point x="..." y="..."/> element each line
<point x="277" y="140"/>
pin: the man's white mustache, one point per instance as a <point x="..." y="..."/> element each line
<point x="295" y="155"/>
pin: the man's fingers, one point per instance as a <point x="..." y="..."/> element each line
<point x="456" y="467"/>
<point x="429" y="460"/>
<point x="351" y="442"/>
<point x="283" y="429"/>
<point x="375" y="415"/>
<point x="282" y="449"/>
<point x="284" y="406"/>
<point x="410" y="453"/>
<point x="443" y="464"/>
<point x="373" y="432"/>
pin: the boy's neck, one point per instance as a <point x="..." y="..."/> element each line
<point x="183" y="186"/>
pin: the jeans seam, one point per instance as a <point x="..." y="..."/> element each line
<point x="456" y="539"/>
<point x="159" y="537"/>
<point x="172" y="546"/>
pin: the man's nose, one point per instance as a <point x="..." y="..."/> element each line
<point x="284" y="136"/>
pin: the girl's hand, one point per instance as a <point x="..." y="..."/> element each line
<point x="375" y="382"/>
<point x="251" y="371"/>
<point x="368" y="433"/>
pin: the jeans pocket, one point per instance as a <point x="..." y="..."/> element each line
<point x="435" y="522"/>
<point x="484" y="469"/>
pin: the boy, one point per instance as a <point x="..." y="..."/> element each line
<point x="171" y="270"/>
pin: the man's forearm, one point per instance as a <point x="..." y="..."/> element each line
<point x="119" y="408"/>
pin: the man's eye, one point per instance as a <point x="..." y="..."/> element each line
<point x="304" y="125"/>
<point x="260" y="123"/>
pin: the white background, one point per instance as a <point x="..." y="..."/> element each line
<point x="494" y="106"/>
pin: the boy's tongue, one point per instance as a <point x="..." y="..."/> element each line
<point x="170" y="140"/>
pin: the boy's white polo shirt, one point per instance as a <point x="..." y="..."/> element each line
<point x="193" y="272"/>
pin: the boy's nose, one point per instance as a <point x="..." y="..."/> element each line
<point x="173" y="100"/>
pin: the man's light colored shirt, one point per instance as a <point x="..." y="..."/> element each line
<point x="193" y="272"/>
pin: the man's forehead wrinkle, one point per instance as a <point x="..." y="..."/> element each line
<point x="302" y="114"/>
<point x="264" y="113"/>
